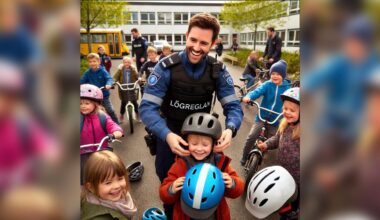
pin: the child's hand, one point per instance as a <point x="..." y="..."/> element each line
<point x="108" y="87"/>
<point x="117" y="134"/>
<point x="227" y="180"/>
<point x="262" y="146"/>
<point x="177" y="184"/>
<point x="246" y="99"/>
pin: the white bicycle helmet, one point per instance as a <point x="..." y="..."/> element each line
<point x="292" y="94"/>
<point x="268" y="190"/>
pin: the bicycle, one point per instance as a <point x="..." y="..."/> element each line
<point x="132" y="90"/>
<point x="262" y="75"/>
<point x="256" y="156"/>
<point x="108" y="138"/>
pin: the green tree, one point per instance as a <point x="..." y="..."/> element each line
<point x="251" y="13"/>
<point x="95" y="13"/>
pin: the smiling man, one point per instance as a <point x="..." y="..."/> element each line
<point x="183" y="83"/>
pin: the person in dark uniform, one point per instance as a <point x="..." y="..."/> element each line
<point x="139" y="47"/>
<point x="272" y="48"/>
<point x="182" y="84"/>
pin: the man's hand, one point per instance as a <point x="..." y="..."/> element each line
<point x="108" y="87"/>
<point x="174" y="142"/>
<point x="261" y="59"/>
<point x="271" y="60"/>
<point x="177" y="184"/>
<point x="246" y="100"/>
<point x="227" y="180"/>
<point x="224" y="141"/>
<point x="142" y="59"/>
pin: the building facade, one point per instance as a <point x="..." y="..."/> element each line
<point x="168" y="20"/>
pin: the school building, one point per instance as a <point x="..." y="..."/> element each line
<point x="168" y="20"/>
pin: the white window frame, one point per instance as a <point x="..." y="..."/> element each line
<point x="149" y="20"/>
<point x="293" y="42"/>
<point x="181" y="42"/>
<point x="182" y="21"/>
<point x="168" y="18"/>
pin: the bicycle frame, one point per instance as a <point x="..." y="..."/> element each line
<point x="128" y="88"/>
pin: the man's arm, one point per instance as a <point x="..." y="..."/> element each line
<point x="277" y="51"/>
<point x="266" y="48"/>
<point x="133" y="48"/>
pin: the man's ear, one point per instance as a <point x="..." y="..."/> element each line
<point x="187" y="35"/>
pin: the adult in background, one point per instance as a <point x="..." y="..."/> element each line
<point x="272" y="48"/>
<point x="139" y="47"/>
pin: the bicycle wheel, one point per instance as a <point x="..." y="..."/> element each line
<point x="239" y="92"/>
<point x="253" y="166"/>
<point x="130" y="118"/>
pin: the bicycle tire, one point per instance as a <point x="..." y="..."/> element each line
<point x="130" y="118"/>
<point x="239" y="92"/>
<point x="253" y="163"/>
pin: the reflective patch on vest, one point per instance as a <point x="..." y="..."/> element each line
<point x="186" y="106"/>
<point x="153" y="79"/>
<point x="228" y="79"/>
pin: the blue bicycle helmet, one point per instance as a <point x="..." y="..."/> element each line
<point x="154" y="214"/>
<point x="202" y="191"/>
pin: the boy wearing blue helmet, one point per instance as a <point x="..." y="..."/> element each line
<point x="202" y="131"/>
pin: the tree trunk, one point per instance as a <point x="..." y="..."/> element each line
<point x="254" y="39"/>
<point x="89" y="41"/>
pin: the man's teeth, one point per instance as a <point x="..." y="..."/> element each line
<point x="195" y="53"/>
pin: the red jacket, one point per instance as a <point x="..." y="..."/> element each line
<point x="179" y="169"/>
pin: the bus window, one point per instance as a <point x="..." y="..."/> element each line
<point x="83" y="38"/>
<point x="111" y="44"/>
<point x="117" y="46"/>
<point x="99" y="38"/>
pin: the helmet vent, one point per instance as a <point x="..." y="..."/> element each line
<point x="277" y="178"/>
<point x="259" y="173"/>
<point x="210" y="124"/>
<point x="200" y="120"/>
<point x="191" y="196"/>
<point x="269" y="187"/>
<point x="195" y="170"/>
<point x="191" y="121"/>
<point x="213" y="187"/>
<point x="255" y="200"/>
<point x="262" y="180"/>
<point x="214" y="175"/>
<point x="188" y="182"/>
<point x="204" y="199"/>
<point x="263" y="202"/>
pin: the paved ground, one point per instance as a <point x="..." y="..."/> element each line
<point x="133" y="148"/>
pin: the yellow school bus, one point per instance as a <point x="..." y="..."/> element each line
<point x="111" y="39"/>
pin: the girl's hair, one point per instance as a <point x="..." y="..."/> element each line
<point x="151" y="50"/>
<point x="98" y="106"/>
<point x="99" y="167"/>
<point x="296" y="131"/>
<point x="127" y="58"/>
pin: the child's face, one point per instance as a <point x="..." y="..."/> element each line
<point x="126" y="63"/>
<point x="93" y="63"/>
<point x="112" y="188"/>
<point x="200" y="146"/>
<point x="166" y="51"/>
<point x="87" y="106"/>
<point x="101" y="50"/>
<point x="152" y="56"/>
<point x="253" y="56"/>
<point x="276" y="78"/>
<point x="291" y="111"/>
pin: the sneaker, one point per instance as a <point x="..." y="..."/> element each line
<point x="121" y="119"/>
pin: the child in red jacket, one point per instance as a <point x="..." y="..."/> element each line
<point x="202" y="130"/>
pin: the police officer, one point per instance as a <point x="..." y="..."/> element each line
<point x="183" y="83"/>
<point x="272" y="48"/>
<point x="139" y="47"/>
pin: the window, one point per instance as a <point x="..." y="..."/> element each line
<point x="181" y="17"/>
<point x="167" y="37"/>
<point x="224" y="38"/>
<point x="294" y="7"/>
<point x="99" y="38"/>
<point x="164" y="17"/>
<point x="193" y="13"/>
<point x="131" y="17"/>
<point x="243" y="39"/>
<point x="149" y="37"/>
<point x="128" y="39"/>
<point x="281" y="34"/>
<point x="261" y="38"/>
<point x="179" y="39"/>
<point x="217" y="16"/>
<point x="83" y="38"/>
<point x="293" y="38"/>
<point x="148" y="18"/>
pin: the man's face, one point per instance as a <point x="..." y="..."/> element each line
<point x="269" y="33"/>
<point x="198" y="43"/>
<point x="135" y="34"/>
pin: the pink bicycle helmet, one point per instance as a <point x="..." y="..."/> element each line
<point x="91" y="92"/>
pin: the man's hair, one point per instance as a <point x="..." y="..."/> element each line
<point x="91" y="56"/>
<point x="151" y="50"/>
<point x="270" y="28"/>
<point x="134" y="30"/>
<point x="205" y="21"/>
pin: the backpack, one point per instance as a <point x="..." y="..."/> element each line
<point x="102" y="119"/>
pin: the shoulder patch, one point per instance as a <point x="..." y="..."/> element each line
<point x="171" y="60"/>
<point x="228" y="79"/>
<point x="153" y="79"/>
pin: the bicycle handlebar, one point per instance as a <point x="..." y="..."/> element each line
<point x="268" y="110"/>
<point x="100" y="144"/>
<point x="127" y="85"/>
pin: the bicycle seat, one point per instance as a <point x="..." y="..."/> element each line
<point x="242" y="78"/>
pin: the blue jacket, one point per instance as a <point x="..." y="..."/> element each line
<point x="158" y="83"/>
<point x="98" y="78"/>
<point x="344" y="84"/>
<point x="271" y="98"/>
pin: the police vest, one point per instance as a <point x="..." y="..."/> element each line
<point x="186" y="95"/>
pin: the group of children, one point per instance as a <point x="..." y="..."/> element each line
<point x="104" y="177"/>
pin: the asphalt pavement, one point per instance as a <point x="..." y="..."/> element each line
<point x="133" y="148"/>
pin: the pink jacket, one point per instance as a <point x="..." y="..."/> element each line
<point x="92" y="131"/>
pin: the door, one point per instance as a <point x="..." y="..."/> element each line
<point x="111" y="44"/>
